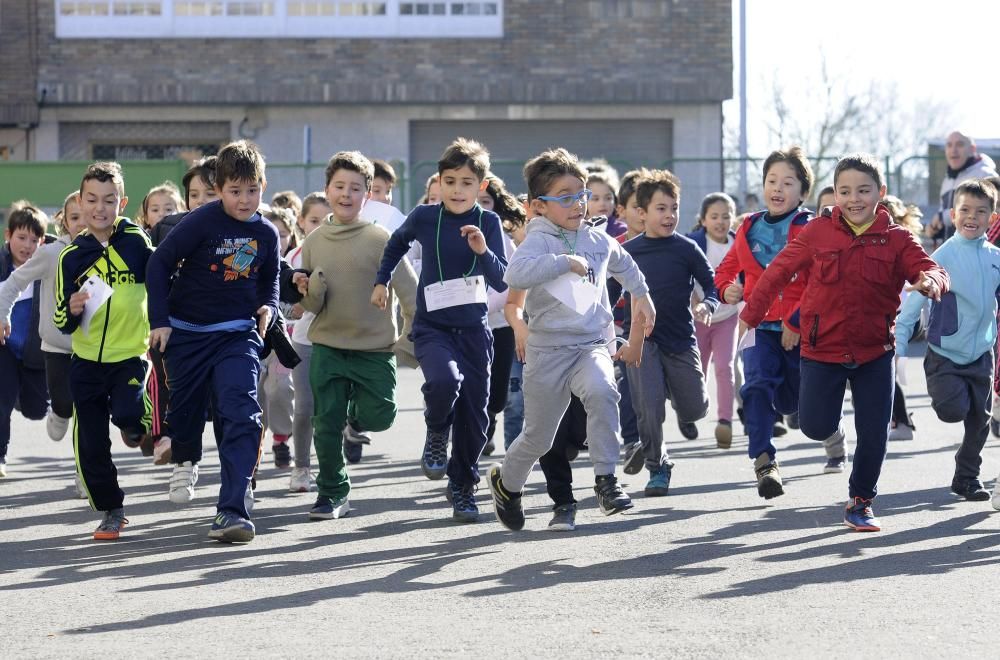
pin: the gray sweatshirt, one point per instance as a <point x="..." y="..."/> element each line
<point x="41" y="266"/>
<point x="542" y="257"/>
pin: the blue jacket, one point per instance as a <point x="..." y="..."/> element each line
<point x="963" y="325"/>
<point x="24" y="341"/>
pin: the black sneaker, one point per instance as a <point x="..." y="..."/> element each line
<point x="491" y="429"/>
<point x="326" y="508"/>
<point x="489" y="447"/>
<point x="688" y="429"/>
<point x="635" y="458"/>
<point x="768" y="477"/>
<point x="353" y="451"/>
<point x="792" y="420"/>
<point x="434" y="460"/>
<point x="282" y="455"/>
<point x="463" y="502"/>
<point x="610" y="497"/>
<point x="995" y="428"/>
<point x="506" y="505"/>
<point x="970" y="489"/>
<point x="563" y="518"/>
<point x="779" y="430"/>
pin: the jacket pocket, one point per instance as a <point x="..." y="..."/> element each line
<point x="827" y="267"/>
<point x="944" y="319"/>
<point x="877" y="265"/>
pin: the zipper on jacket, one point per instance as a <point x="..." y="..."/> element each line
<point x="888" y="330"/>
<point x="814" y="331"/>
<point x="107" y="310"/>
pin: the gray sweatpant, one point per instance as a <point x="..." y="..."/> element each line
<point x="550" y="375"/>
<point x="661" y="376"/>
<point x="963" y="393"/>
<point x="302" y="427"/>
<point x="275" y="395"/>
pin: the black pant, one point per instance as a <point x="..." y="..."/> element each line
<point x="102" y="390"/>
<point x="19" y="384"/>
<point x="503" y="358"/>
<point x="57" y="378"/>
<point x="158" y="393"/>
<point x="572" y="433"/>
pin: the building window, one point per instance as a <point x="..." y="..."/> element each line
<point x="249" y="9"/>
<point x="198" y="8"/>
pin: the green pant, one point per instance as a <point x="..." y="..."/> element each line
<point x="363" y="381"/>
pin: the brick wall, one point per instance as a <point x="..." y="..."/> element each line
<point x="18" y="61"/>
<point x="575" y="51"/>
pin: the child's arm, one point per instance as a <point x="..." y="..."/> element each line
<point x="398" y="245"/>
<point x="69" y="299"/>
<point x="513" y="311"/>
<point x="792" y="258"/>
<point x="727" y="276"/>
<point x="315" y="296"/>
<point x="623" y="268"/>
<point x="267" y="288"/>
<point x="533" y="264"/>
<point x="404" y="285"/>
<point x="703" y="274"/>
<point x="20" y="279"/>
<point x="181" y="242"/>
<point x="907" y="320"/>
<point x="488" y="246"/>
<point x="924" y="274"/>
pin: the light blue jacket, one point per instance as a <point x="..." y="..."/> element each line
<point x="963" y="325"/>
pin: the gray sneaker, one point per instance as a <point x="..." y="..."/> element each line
<point x="635" y="458"/>
<point x="563" y="518"/>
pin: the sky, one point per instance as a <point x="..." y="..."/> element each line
<point x="932" y="50"/>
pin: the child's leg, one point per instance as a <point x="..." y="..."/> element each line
<point x="513" y="412"/>
<point x="871" y="384"/>
<point x="649" y="398"/>
<point x="723" y="346"/>
<point x="954" y="397"/>
<point x="331" y="388"/>
<point x="188" y="362"/>
<point x="821" y="397"/>
<point x="592" y="378"/>
<point x="374" y="389"/>
<point x="503" y="360"/>
<point x="979" y="377"/>
<point x="57" y="380"/>
<point x="436" y="352"/>
<point x="131" y="408"/>
<point x="546" y="398"/>
<point x="302" y="426"/>
<point x="91" y="442"/>
<point x="764" y="372"/>
<point x="33" y="394"/>
<point x="555" y="462"/>
<point x="686" y="384"/>
<point x="703" y="335"/>
<point x="158" y="393"/>
<point x="10" y="385"/>
<point x="475" y="353"/>
<point x="280" y="397"/>
<point x="234" y="381"/>
<point x="626" y="412"/>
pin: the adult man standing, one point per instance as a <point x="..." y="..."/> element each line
<point x="963" y="164"/>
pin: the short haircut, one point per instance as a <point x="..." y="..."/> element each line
<point x="542" y="171"/>
<point x="607" y="179"/>
<point x="465" y="152"/>
<point x="105" y="171"/>
<point x="287" y="199"/>
<point x="627" y="187"/>
<point x="653" y="181"/>
<point x="796" y="158"/>
<point x="204" y="169"/>
<point x="860" y="162"/>
<point x="311" y="200"/>
<point x="827" y="190"/>
<point x="239" y="161"/>
<point x="979" y="188"/>
<point x="994" y="181"/>
<point x="353" y="161"/>
<point x="25" y="215"/>
<point x="714" y="198"/>
<point x="384" y="171"/>
<point x="166" y="188"/>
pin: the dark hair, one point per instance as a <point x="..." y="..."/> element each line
<point x="994" y="181"/>
<point x="352" y="161"/>
<point x="980" y="188"/>
<point x="627" y="187"/>
<point x="239" y="161"/>
<point x="606" y="178"/>
<point x="383" y="170"/>
<point x="827" y="190"/>
<point x="541" y="171"/>
<point x="796" y="158"/>
<point x="105" y="171"/>
<point x="285" y="216"/>
<point x="464" y="152"/>
<point x="652" y="181"/>
<point x="204" y="169"/>
<point x="25" y="215"/>
<point x="860" y="162"/>
<point x="311" y="200"/>
<point x="714" y="198"/>
<point x="287" y="199"/>
<point x="505" y="205"/>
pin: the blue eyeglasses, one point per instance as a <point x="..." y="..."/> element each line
<point x="567" y="201"/>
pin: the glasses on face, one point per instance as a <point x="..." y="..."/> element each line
<point x="567" y="201"/>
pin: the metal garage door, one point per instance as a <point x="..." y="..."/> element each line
<point x="511" y="142"/>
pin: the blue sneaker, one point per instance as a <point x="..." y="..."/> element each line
<point x="859" y="516"/>
<point x="659" y="481"/>
<point x="327" y="508"/>
<point x="463" y="502"/>
<point x="434" y="461"/>
<point x="229" y="527"/>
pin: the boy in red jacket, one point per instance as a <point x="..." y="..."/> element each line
<point x="858" y="261"/>
<point x="771" y="365"/>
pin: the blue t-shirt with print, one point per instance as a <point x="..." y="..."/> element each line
<point x="767" y="237"/>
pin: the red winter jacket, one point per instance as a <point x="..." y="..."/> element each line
<point x="848" y="310"/>
<point x="740" y="259"/>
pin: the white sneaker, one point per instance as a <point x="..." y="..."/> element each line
<point x="351" y="434"/>
<point x="56" y="426"/>
<point x="3" y="467"/>
<point x="996" y="495"/>
<point x="81" y="492"/>
<point x="161" y="451"/>
<point x="301" y="481"/>
<point x="182" y="482"/>
<point x="901" y="432"/>
<point x="248" y="500"/>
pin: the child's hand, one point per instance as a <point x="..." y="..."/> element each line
<point x="297" y="311"/>
<point x="4" y="332"/>
<point x="380" y="296"/>
<point x="520" y="339"/>
<point x="301" y="282"/>
<point x="702" y="314"/>
<point x="77" y="302"/>
<point x="926" y="286"/>
<point x="643" y="315"/>
<point x="475" y="237"/>
<point x="158" y="338"/>
<point x="578" y="265"/>
<point x="733" y="294"/>
<point x="631" y="354"/>
<point x="263" y="320"/>
<point x="789" y="338"/>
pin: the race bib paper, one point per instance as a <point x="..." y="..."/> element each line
<point x="451" y="293"/>
<point x="99" y="294"/>
<point x="574" y="291"/>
